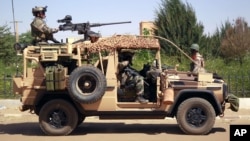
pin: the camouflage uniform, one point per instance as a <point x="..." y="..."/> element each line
<point x="129" y="78"/>
<point x="39" y="29"/>
<point x="198" y="64"/>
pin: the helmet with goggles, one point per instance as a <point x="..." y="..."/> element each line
<point x="38" y="9"/>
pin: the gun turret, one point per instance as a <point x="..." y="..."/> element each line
<point x="83" y="28"/>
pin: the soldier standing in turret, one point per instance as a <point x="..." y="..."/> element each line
<point x="199" y="63"/>
<point x="39" y="30"/>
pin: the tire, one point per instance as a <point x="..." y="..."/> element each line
<point x="58" y="117"/>
<point x="87" y="84"/>
<point x="81" y="118"/>
<point x="196" y="116"/>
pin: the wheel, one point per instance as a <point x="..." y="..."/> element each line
<point x="87" y="84"/>
<point x="196" y="116"/>
<point x="58" y="117"/>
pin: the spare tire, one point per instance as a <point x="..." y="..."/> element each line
<point x="87" y="84"/>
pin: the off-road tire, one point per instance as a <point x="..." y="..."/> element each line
<point x="87" y="84"/>
<point x="58" y="117"/>
<point x="196" y="116"/>
<point x="81" y="118"/>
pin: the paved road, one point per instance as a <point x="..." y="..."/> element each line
<point x="23" y="126"/>
<point x="26" y="128"/>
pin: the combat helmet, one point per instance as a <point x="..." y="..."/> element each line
<point x="126" y="54"/>
<point x="195" y="47"/>
<point x="38" y="9"/>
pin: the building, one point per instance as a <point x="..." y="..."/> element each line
<point x="146" y="28"/>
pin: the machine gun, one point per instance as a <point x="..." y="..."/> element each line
<point x="83" y="28"/>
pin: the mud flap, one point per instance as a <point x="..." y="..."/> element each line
<point x="234" y="102"/>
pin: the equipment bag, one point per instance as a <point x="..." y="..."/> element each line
<point x="234" y="102"/>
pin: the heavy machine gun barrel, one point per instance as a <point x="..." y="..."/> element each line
<point x="101" y="24"/>
<point x="83" y="28"/>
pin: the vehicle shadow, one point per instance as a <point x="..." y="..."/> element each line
<point x="25" y="128"/>
<point x="33" y="129"/>
<point x="92" y="128"/>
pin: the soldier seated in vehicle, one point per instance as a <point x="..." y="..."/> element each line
<point x="39" y="29"/>
<point x="129" y="77"/>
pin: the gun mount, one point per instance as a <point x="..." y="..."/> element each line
<point x="83" y="28"/>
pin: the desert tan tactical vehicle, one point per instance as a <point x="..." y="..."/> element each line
<point x="64" y="83"/>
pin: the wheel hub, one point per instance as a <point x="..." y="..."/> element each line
<point x="196" y="117"/>
<point x="87" y="84"/>
<point x="58" y="119"/>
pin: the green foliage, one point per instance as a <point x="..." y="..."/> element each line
<point x="177" y="22"/>
<point x="143" y="57"/>
<point x="6" y="41"/>
<point x="26" y="38"/>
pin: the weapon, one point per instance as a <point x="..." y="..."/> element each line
<point x="83" y="28"/>
<point x="131" y="71"/>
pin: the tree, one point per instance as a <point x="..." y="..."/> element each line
<point x="7" y="41"/>
<point x="26" y="38"/>
<point x="177" y="22"/>
<point x="236" y="41"/>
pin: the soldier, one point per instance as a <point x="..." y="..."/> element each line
<point x="39" y="30"/>
<point x="198" y="64"/>
<point x="130" y="78"/>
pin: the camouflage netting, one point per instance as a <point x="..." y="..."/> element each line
<point x="121" y="41"/>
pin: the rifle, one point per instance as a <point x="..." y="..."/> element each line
<point x="131" y="71"/>
<point x="83" y="28"/>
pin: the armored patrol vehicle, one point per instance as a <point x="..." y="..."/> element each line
<point x="63" y="83"/>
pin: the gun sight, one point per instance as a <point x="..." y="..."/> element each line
<point x="66" y="19"/>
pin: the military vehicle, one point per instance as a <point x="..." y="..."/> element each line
<point x="63" y="83"/>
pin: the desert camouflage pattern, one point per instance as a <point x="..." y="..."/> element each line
<point x="40" y="31"/>
<point x="120" y="41"/>
<point x="129" y="80"/>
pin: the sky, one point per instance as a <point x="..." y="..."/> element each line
<point x="211" y="13"/>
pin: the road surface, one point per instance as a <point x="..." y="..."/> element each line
<point x="26" y="128"/>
